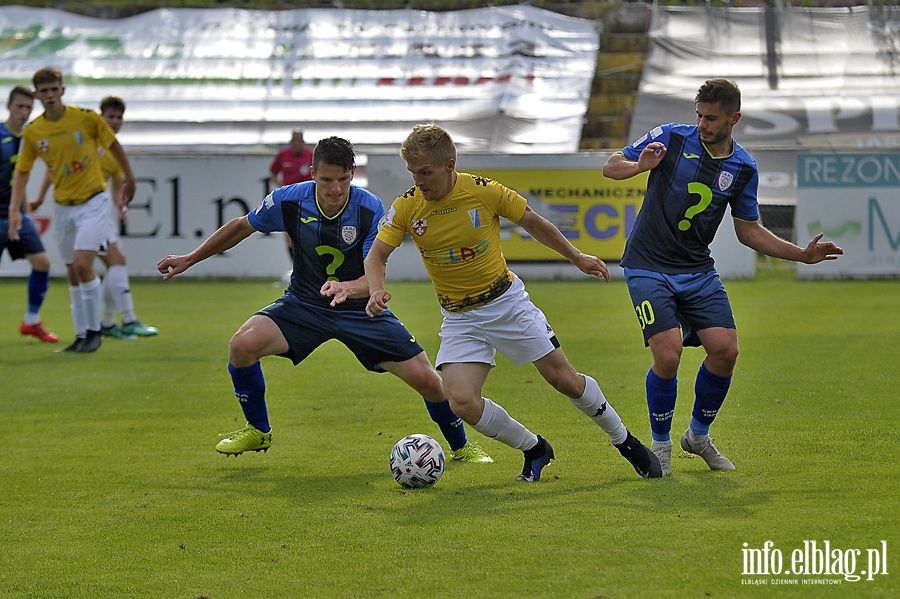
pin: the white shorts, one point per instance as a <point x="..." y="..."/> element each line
<point x="113" y="226"/>
<point x="86" y="226"/>
<point x="510" y="324"/>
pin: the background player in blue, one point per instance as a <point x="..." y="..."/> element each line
<point x="332" y="224"/>
<point x="29" y="245"/>
<point x="696" y="172"/>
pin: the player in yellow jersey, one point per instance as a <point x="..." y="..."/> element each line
<point x="67" y="138"/>
<point x="454" y="219"/>
<point x="115" y="286"/>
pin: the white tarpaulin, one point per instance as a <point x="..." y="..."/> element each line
<point x="505" y="79"/>
<point x="812" y="78"/>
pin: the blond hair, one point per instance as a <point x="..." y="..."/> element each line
<point x="428" y="140"/>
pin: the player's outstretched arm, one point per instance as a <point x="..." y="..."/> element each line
<point x="376" y="271"/>
<point x="618" y="167"/>
<point x="546" y="233"/>
<point x="226" y="237"/>
<point x="757" y="237"/>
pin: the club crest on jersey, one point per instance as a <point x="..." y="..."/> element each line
<point x="44" y="145"/>
<point x="473" y="216"/>
<point x="420" y="225"/>
<point x="348" y="234"/>
<point x="725" y="180"/>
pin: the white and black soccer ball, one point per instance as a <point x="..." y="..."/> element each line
<point x="417" y="461"/>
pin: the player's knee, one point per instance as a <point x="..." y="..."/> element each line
<point x="40" y="262"/>
<point x="241" y="350"/>
<point x="467" y="408"/>
<point x="724" y="358"/>
<point x="431" y="388"/>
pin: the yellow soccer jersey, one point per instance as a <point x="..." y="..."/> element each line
<point x="109" y="165"/>
<point x="69" y="147"/>
<point x="458" y="238"/>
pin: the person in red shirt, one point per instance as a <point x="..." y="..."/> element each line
<point x="291" y="165"/>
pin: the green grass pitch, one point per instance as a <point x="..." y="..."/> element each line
<point x="111" y="486"/>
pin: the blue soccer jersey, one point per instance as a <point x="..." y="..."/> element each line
<point x="325" y="248"/>
<point x="686" y="198"/>
<point x="9" y="149"/>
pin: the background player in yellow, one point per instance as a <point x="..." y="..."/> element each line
<point x="67" y="138"/>
<point x="454" y="219"/>
<point x="115" y="286"/>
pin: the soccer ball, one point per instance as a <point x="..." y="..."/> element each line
<point x="417" y="461"/>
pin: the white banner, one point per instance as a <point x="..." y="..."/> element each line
<point x="855" y="200"/>
<point x="180" y="202"/>
<point x="502" y="79"/>
<point x="813" y="79"/>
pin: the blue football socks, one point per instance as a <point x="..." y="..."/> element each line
<point x="450" y="424"/>
<point x="661" y="396"/>
<point x="38" y="283"/>
<point x="250" y="389"/>
<point x="710" y="393"/>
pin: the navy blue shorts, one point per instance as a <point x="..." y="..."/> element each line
<point x="692" y="301"/>
<point x="372" y="340"/>
<point x="29" y="239"/>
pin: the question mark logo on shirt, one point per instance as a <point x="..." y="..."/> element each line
<point x="705" y="194"/>
<point x="338" y="259"/>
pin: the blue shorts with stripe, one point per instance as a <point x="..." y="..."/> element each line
<point x="29" y="239"/>
<point x="691" y="301"/>
<point x="372" y="340"/>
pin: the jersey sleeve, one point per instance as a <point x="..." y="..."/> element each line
<point x="395" y="223"/>
<point x="373" y="203"/>
<point x="27" y="154"/>
<point x="275" y="167"/>
<point x="660" y="133"/>
<point x="511" y="204"/>
<point x="105" y="135"/>
<point x="267" y="217"/>
<point x="110" y="165"/>
<point x="746" y="205"/>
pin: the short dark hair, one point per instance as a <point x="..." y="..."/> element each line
<point x="723" y="92"/>
<point x="113" y="102"/>
<point x="47" y="75"/>
<point x="19" y="90"/>
<point x="334" y="150"/>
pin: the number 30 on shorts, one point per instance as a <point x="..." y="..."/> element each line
<point x="645" y="314"/>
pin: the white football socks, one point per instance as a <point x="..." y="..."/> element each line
<point x="90" y="300"/>
<point x="594" y="404"/>
<point x="497" y="424"/>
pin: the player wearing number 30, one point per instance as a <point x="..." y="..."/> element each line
<point x="332" y="225"/>
<point x="696" y="172"/>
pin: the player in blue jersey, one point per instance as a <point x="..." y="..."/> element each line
<point x="20" y="105"/>
<point x="696" y="172"/>
<point x="332" y="225"/>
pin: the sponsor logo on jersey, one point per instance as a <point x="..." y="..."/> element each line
<point x="725" y="180"/>
<point x="639" y="141"/>
<point x="690" y="156"/>
<point x="388" y="219"/>
<point x="443" y="211"/>
<point x="348" y="233"/>
<point x="420" y="225"/>
<point x="308" y="219"/>
<point x="267" y="202"/>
